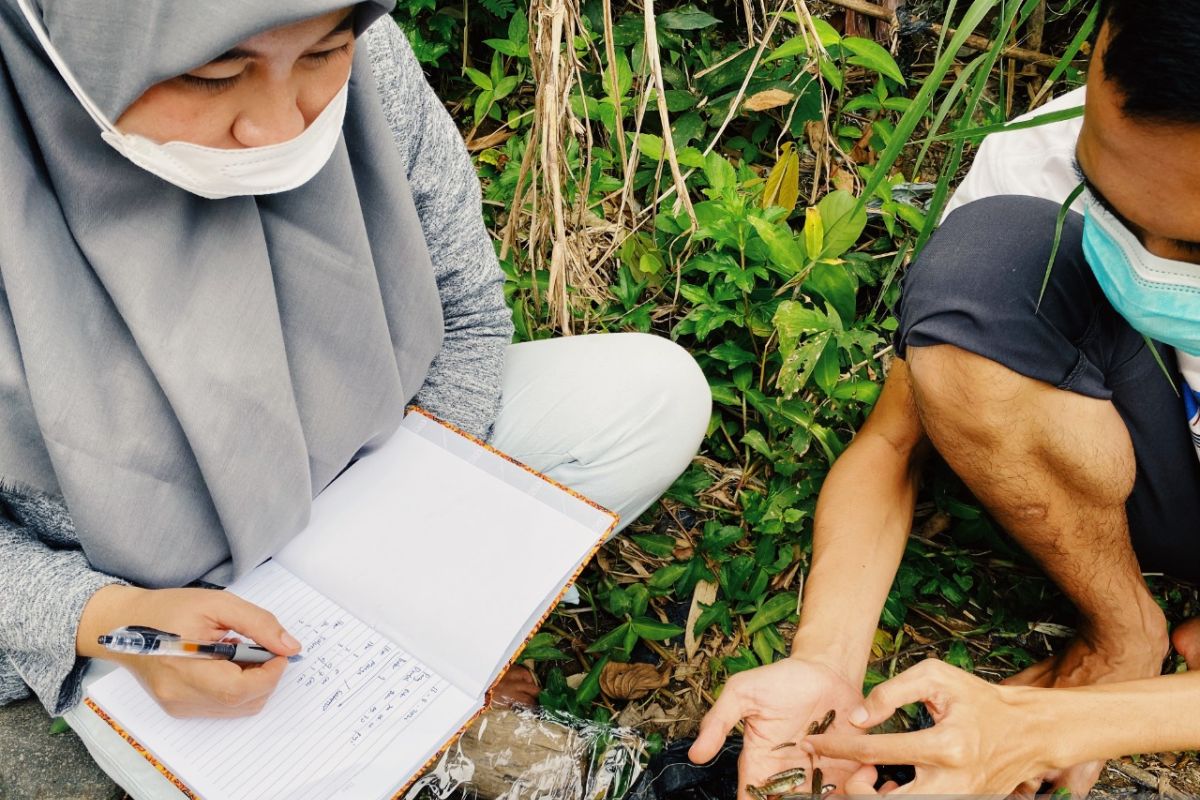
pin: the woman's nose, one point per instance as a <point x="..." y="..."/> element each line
<point x="272" y="119"/>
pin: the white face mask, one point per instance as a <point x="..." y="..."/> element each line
<point x="213" y="172"/>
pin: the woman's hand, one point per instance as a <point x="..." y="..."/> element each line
<point x="778" y="703"/>
<point x="187" y="687"/>
<point x="984" y="740"/>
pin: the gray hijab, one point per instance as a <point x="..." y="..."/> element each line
<point x="187" y="373"/>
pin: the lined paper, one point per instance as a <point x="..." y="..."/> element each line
<point x="430" y="530"/>
<point x="340" y="708"/>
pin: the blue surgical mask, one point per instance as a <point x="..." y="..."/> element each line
<point x="1160" y="298"/>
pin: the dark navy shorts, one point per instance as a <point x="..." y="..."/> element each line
<point x="976" y="286"/>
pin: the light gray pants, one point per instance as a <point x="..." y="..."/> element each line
<point x="617" y="417"/>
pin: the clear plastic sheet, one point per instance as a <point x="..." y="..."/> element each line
<point x="533" y="754"/>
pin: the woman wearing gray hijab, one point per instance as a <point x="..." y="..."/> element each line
<point x="239" y="238"/>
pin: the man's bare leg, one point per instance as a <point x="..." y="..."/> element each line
<point x="1055" y="469"/>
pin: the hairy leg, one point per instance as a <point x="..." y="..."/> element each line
<point x="1055" y="469"/>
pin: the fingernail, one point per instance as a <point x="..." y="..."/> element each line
<point x="858" y="716"/>
<point x="289" y="641"/>
<point x="808" y="748"/>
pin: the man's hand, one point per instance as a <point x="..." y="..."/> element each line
<point x="982" y="742"/>
<point x="778" y="703"/>
<point x="1088" y="661"/>
<point x="188" y="687"/>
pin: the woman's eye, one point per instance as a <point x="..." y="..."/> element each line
<point x="327" y="55"/>
<point x="213" y="85"/>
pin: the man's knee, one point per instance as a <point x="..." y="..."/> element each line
<point x="964" y="395"/>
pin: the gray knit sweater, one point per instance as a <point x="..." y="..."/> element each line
<point x="45" y="579"/>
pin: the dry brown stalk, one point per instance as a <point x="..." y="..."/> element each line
<point x="975" y="42"/>
<point x="660" y="91"/>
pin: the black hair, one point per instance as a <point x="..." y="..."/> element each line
<point x="1151" y="58"/>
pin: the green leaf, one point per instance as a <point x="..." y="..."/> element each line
<point x="828" y="368"/>
<point x="814" y="231"/>
<point x="609" y="640"/>
<point x="686" y="19"/>
<point x="796" y="46"/>
<point x="639" y="599"/>
<point x="793" y="319"/>
<point x="518" y="26"/>
<point x="666" y="577"/>
<point x="590" y="687"/>
<point x="478" y="78"/>
<point x="783" y="182"/>
<point x="542" y="648"/>
<point x="959" y="656"/>
<point x="871" y="55"/>
<point x="716" y="614"/>
<point x="762" y="647"/>
<point x="717" y="538"/>
<point x="826" y="33"/>
<point x="844" y="222"/>
<point x="650" y="146"/>
<point x="656" y="544"/>
<point x="719" y="172"/>
<point x="836" y="284"/>
<point x="758" y="443"/>
<point x="777" y="609"/>
<point x="785" y="250"/>
<point x="655" y="631"/>
<point x="505" y="87"/>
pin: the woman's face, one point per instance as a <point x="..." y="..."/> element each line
<point x="266" y="90"/>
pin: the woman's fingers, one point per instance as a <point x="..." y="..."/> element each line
<point x="257" y="623"/>
<point x="228" y="686"/>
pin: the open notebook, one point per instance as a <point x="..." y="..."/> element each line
<point x="424" y="569"/>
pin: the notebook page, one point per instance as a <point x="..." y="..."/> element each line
<point x="449" y="558"/>
<point x="355" y="718"/>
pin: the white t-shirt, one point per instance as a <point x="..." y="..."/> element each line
<point x="1040" y="162"/>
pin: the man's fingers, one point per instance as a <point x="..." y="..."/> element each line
<point x="862" y="782"/>
<point x="1079" y="779"/>
<point x="918" y="747"/>
<point x="716" y="725"/>
<point x="257" y="623"/>
<point x="913" y="685"/>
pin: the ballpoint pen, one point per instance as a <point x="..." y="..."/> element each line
<point x="143" y="641"/>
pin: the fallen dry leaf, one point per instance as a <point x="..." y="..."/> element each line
<point x="706" y="593"/>
<point x="771" y="98"/>
<point x="630" y="681"/>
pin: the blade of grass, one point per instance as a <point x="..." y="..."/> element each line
<point x="978" y="84"/>
<point x="1058" y="229"/>
<point x="924" y="99"/>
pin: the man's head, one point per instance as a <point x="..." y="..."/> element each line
<point x="1140" y="144"/>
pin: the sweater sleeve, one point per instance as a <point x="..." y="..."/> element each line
<point x="463" y="384"/>
<point x="45" y="589"/>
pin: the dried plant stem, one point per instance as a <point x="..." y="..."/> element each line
<point x="652" y="56"/>
<point x="975" y="42"/>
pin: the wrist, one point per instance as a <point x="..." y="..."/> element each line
<point x="831" y="652"/>
<point x="1045" y="727"/>
<point x="110" y="607"/>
